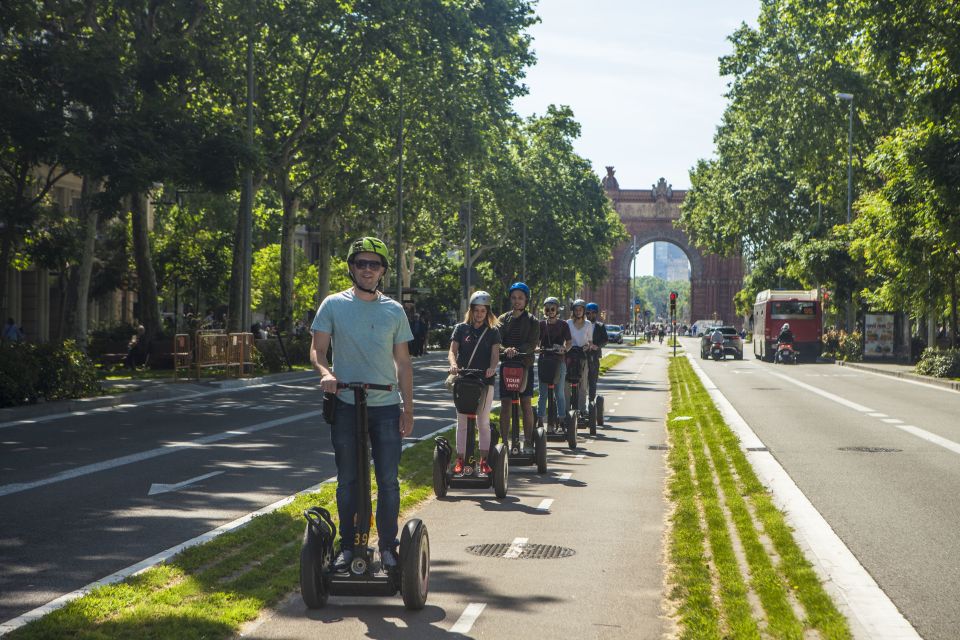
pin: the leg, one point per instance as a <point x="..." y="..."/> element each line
<point x="483" y="421"/>
<point x="461" y="435"/>
<point x="594" y="376"/>
<point x="559" y="390"/>
<point x="582" y="396"/>
<point x="345" y="454"/>
<point x="526" y="406"/>
<point x="386" y="443"/>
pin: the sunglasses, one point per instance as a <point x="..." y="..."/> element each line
<point x="373" y="265"/>
<point x="549" y="309"/>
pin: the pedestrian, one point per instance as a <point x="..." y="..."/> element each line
<point x="11" y="332"/>
<point x="371" y="333"/>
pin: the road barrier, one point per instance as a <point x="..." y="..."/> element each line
<point x="213" y="349"/>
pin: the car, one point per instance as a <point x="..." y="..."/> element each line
<point x="615" y="333"/>
<point x="732" y="342"/>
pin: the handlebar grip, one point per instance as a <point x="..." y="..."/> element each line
<point x="364" y="385"/>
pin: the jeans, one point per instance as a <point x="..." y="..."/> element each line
<point x="581" y="388"/>
<point x="593" y="372"/>
<point x="559" y="400"/>
<point x="386" y="443"/>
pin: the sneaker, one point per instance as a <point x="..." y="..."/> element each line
<point x="388" y="559"/>
<point x="343" y="560"/>
<point x="527" y="449"/>
<point x="484" y="469"/>
<point x="458" y="468"/>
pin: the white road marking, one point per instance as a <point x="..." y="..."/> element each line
<point x="826" y="394"/>
<point x="467" y="618"/>
<point x="167" y="488"/>
<point x="858" y="594"/>
<point x="166" y="449"/>
<point x="545" y="504"/>
<point x="877" y="415"/>
<point x="930" y="437"/>
<point x="580" y="456"/>
<point x="564" y="476"/>
<point x="163" y="556"/>
<point x="891" y="421"/>
<point x="516" y="548"/>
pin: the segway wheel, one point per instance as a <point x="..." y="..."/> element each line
<point x="414" y="564"/>
<point x="592" y="419"/>
<point x="439" y="473"/>
<point x="501" y="472"/>
<point x="313" y="586"/>
<point x="572" y="429"/>
<point x="540" y="449"/>
<point x="600" y="410"/>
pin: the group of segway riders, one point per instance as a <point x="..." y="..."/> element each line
<point x="368" y="401"/>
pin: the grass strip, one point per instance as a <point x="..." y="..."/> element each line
<point x="209" y="590"/>
<point x="771" y="581"/>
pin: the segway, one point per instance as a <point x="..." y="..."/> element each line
<point x="575" y="418"/>
<point x="548" y="370"/>
<point x="513" y="373"/>
<point x="468" y="392"/>
<point x="594" y="403"/>
<point x="365" y="575"/>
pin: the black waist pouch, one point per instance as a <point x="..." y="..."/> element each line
<point x="330" y="401"/>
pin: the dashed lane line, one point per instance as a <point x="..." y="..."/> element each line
<point x="465" y="622"/>
<point x="516" y="548"/>
<point x="545" y="504"/>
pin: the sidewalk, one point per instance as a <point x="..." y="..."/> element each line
<point x="899" y="370"/>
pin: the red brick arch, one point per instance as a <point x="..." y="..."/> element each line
<point x="648" y="215"/>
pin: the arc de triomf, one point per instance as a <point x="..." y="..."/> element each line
<point x="648" y="215"/>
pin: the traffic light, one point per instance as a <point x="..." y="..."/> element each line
<point x="636" y="308"/>
<point x="673" y="303"/>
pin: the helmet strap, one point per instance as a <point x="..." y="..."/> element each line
<point x="361" y="287"/>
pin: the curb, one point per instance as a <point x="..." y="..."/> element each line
<point x="914" y="377"/>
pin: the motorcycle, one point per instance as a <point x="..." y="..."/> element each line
<point x="717" y="352"/>
<point x="785" y="354"/>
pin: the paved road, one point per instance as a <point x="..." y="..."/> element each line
<point x="75" y="492"/>
<point x="879" y="458"/>
<point x="605" y="502"/>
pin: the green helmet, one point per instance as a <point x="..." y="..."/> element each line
<point x="369" y="244"/>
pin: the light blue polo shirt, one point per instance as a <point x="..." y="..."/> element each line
<point x="363" y="334"/>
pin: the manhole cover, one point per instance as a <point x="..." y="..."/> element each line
<point x="658" y="447"/>
<point x="528" y="552"/>
<point x="871" y="449"/>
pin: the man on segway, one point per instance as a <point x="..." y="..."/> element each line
<point x="520" y="332"/>
<point x="370" y="332"/>
<point x="594" y="353"/>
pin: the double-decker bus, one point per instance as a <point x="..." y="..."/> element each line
<point x="801" y="309"/>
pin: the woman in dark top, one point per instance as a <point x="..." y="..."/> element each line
<point x="470" y="341"/>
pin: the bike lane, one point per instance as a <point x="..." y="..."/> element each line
<point x="603" y="502"/>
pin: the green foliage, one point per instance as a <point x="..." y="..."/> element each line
<point x="265" y="279"/>
<point x="29" y="372"/>
<point x="654" y="294"/>
<point x="841" y="345"/>
<point x="939" y="363"/>
<point x="439" y="338"/>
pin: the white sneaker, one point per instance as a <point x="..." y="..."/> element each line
<point x="388" y="559"/>
<point x="343" y="560"/>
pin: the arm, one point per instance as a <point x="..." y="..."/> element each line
<point x="318" y="359"/>
<point x="452" y="356"/>
<point x="494" y="359"/>
<point x="401" y="356"/>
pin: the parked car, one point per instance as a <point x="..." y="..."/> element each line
<point x="615" y="333"/>
<point x="732" y="342"/>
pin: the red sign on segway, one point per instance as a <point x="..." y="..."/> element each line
<point x="512" y="378"/>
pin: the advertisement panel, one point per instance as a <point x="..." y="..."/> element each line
<point x="878" y="335"/>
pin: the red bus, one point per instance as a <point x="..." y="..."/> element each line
<point x="801" y="309"/>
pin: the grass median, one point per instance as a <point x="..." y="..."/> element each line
<point x="737" y="571"/>
<point x="210" y="590"/>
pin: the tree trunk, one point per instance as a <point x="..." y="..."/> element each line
<point x="953" y="310"/>
<point x="77" y="301"/>
<point x="235" y="299"/>
<point x="143" y="259"/>
<point x="291" y="204"/>
<point x="326" y="251"/>
<point x="6" y="250"/>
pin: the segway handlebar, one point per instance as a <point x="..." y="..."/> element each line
<point x="364" y="385"/>
<point x="557" y="348"/>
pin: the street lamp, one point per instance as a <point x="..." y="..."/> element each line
<point x="849" y="98"/>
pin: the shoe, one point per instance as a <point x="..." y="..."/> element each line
<point x="484" y="469"/>
<point x="458" y="468"/>
<point x="388" y="559"/>
<point x="343" y="560"/>
<point x="527" y="449"/>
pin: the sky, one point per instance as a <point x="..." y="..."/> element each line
<point x="642" y="79"/>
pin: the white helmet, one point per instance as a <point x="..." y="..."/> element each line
<point x="480" y="297"/>
<point x="579" y="302"/>
<point x="785" y="327"/>
<point x="551" y="300"/>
